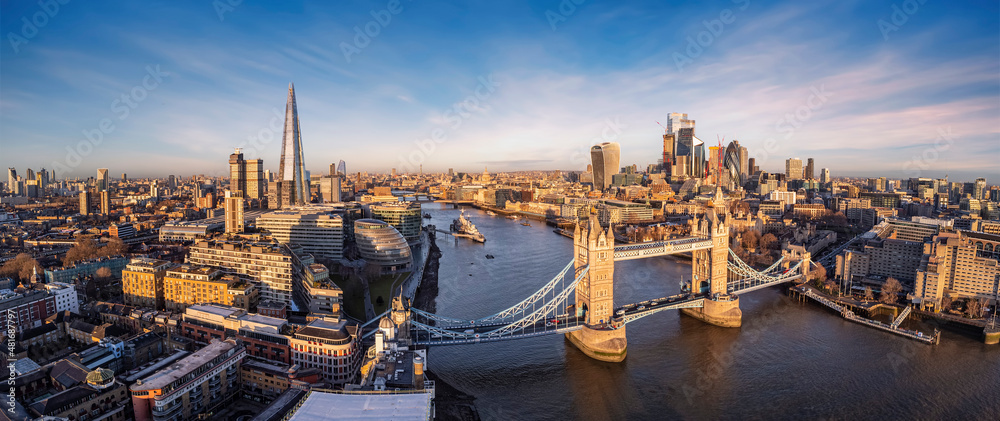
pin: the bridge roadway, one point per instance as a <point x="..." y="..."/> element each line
<point x="661" y="248"/>
<point x="480" y="334"/>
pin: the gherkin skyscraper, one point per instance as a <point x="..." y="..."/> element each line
<point x="293" y="188"/>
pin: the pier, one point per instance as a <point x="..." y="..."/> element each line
<point x="848" y="314"/>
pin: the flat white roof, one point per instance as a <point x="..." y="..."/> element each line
<point x="347" y="406"/>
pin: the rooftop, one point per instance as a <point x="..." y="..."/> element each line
<point x="176" y="371"/>
<point x="350" y="406"/>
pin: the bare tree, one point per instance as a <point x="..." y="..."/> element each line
<point x="890" y="291"/>
<point x="103" y="273"/>
<point x="946" y="303"/>
<point x="769" y="241"/>
<point x="21" y="266"/>
<point x="974" y="308"/>
<point x="868" y="294"/>
<point x="750" y="240"/>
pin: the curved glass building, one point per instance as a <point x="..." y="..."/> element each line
<point x="606" y="158"/>
<point x="733" y="165"/>
<point x="381" y="244"/>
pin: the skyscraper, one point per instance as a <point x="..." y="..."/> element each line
<point x="103" y="179"/>
<point x="246" y="177"/>
<point x="11" y="179"/>
<point x="688" y="145"/>
<point x="810" y="174"/>
<point x="342" y="168"/>
<point x="669" y="152"/>
<point x="733" y="165"/>
<point x="793" y="168"/>
<point x="605" y="158"/>
<point x="979" y="189"/>
<point x="293" y="187"/>
<point x="824" y="176"/>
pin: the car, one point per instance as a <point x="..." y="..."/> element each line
<point x="469" y="331"/>
<point x="554" y="321"/>
<point x="621" y="312"/>
<point x="641" y="308"/>
<point x="653" y="303"/>
<point x="549" y="324"/>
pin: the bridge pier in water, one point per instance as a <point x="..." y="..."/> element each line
<point x="710" y="267"/>
<point x="594" y="247"/>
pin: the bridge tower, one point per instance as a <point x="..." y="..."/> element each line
<point x="594" y="247"/>
<point x="710" y="267"/>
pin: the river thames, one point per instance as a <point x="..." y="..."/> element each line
<point x="790" y="360"/>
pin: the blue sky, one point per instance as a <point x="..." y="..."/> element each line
<point x="508" y="85"/>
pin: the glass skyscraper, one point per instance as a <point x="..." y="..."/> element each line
<point x="293" y="186"/>
<point x="605" y="158"/>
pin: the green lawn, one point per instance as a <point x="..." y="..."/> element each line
<point x="383" y="288"/>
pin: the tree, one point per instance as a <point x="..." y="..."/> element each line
<point x="750" y="240"/>
<point x="974" y="308"/>
<point x="103" y="273"/>
<point x="21" y="267"/>
<point x="890" y="291"/>
<point x="819" y="273"/>
<point x="115" y="247"/>
<point x="946" y="303"/>
<point x="769" y="241"/>
<point x="868" y="294"/>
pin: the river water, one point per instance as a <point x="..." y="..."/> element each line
<point x="789" y="360"/>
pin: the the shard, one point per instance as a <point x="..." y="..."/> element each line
<point x="293" y="188"/>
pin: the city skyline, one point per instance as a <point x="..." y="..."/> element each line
<point x="548" y="88"/>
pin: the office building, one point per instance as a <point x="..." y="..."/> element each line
<point x="329" y="189"/>
<point x="404" y="216"/>
<point x="824" y="176"/>
<point x="318" y="230"/>
<point x="142" y="282"/>
<point x="292" y="185"/>
<point x="321" y="296"/>
<point x="200" y="383"/>
<point x="810" y="170"/>
<point x="246" y="177"/>
<point x="734" y="170"/>
<point x="381" y="244"/>
<point x="103" y="179"/>
<point x="606" y="158"/>
<point x="273" y="265"/>
<point x="979" y="189"/>
<point x="793" y="169"/>
<point x="669" y="151"/>
<point x="690" y="153"/>
<point x="11" y="179"/>
<point x="332" y="346"/>
<point x="233" y="206"/>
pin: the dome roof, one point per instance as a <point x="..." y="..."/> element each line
<point x="385" y="323"/>
<point x="100" y="376"/>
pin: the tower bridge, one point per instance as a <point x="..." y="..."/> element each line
<point x="581" y="306"/>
